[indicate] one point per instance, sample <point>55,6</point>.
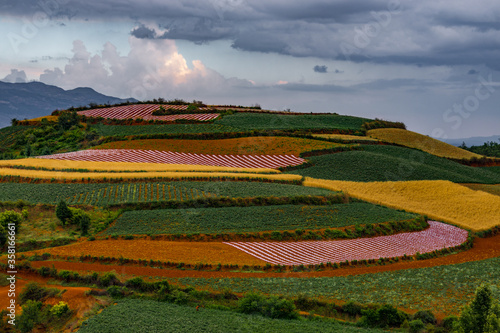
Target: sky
<point>432,64</point>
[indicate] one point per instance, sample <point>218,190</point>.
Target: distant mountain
<point>36,99</point>
<point>474,141</point>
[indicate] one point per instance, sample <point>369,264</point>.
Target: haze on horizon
<point>431,64</point>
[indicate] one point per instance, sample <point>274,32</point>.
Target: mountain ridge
<point>37,99</point>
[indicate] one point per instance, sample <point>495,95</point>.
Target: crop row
<point>167,157</point>
<point>82,193</point>
<point>144,111</point>
<point>252,219</point>
<point>438,236</point>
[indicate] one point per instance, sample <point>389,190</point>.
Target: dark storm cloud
<point>320,69</point>
<point>426,32</point>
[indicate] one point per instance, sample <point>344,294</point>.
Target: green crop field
<point>390,163</point>
<point>252,219</point>
<point>105,193</point>
<point>492,169</point>
<point>137,316</point>
<point>263,121</point>
<point>120,130</point>
<point>443,289</point>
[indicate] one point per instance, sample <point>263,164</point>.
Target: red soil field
<point>239,146</point>
<point>484,248</point>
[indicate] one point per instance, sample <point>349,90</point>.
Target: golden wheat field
<point>438,199</point>
<point>422,142</point>
<point>59,175</point>
<point>120,166</point>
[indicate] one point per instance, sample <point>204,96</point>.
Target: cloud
<point>472,72</point>
<point>320,69</point>
<point>426,32</point>
<point>152,68</point>
<point>15,76</point>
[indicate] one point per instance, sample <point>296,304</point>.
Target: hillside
<point>36,99</point>
<point>225,215</point>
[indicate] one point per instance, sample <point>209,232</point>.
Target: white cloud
<point>152,69</point>
<point>15,76</point>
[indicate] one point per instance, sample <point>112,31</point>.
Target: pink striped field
<point>144,111</point>
<point>168,157</point>
<point>436,237</point>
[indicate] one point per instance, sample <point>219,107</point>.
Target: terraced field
<point>263,121</point>
<point>118,130</point>
<point>436,237</point>
<point>390,163</point>
<point>240,146</point>
<point>106,193</point>
<point>425,143</point>
<point>252,219</point>
<point>168,157</point>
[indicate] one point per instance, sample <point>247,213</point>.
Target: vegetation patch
<point>390,163</point>
<point>252,219</point>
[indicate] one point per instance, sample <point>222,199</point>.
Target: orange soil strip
<point>242,146</point>
<point>484,248</point>
<point>74,296</point>
<point>186,252</point>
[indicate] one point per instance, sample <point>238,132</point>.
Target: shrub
<point>272,307</point>
<point>352,308</point>
<point>9,217</point>
<point>416,326</point>
<point>33,292</point>
<point>426,316</point>
<point>30,316</point>
<point>482,314</point>
<point>384,316</point>
<point>59,309</point>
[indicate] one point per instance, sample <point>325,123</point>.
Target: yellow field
<point>422,142</point>
<point>344,137</point>
<point>120,166</point>
<point>58,175</point>
<point>438,199</point>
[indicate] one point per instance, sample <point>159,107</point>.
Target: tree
<point>67,119</point>
<point>9,217</point>
<point>82,219</point>
<point>14,122</point>
<point>482,315</point>
<point>63,213</point>
<point>30,316</point>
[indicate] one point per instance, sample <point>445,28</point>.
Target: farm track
<point>167,157</point>
<point>484,248</point>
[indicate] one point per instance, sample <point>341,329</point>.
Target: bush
<point>9,217</point>
<point>30,316</point>
<point>59,309</point>
<point>33,292</point>
<point>426,316</point>
<point>352,308</point>
<point>272,307</point>
<point>416,326</point>
<point>384,316</point>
